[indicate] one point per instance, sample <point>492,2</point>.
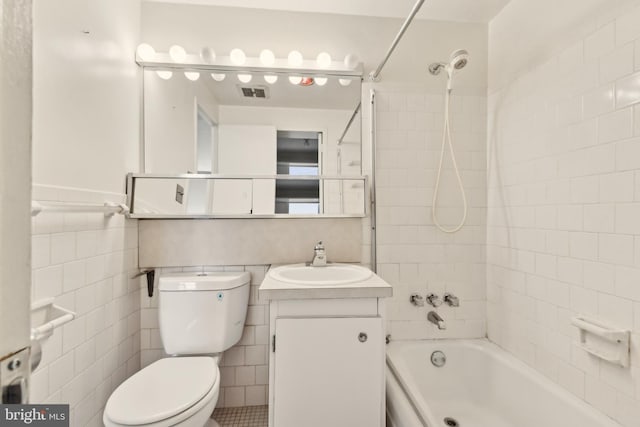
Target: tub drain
<point>451,422</point>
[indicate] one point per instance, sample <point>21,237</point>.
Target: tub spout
<point>435,318</point>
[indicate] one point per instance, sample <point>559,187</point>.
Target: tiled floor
<point>246,416</point>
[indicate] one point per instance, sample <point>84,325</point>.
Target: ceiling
<point>478,11</point>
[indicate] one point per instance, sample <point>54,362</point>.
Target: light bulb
<point>208,55</point>
<point>295,80</point>
<point>321,81</point>
<point>267,57</point>
<point>218,77</point>
<point>351,61</point>
<point>323,60</point>
<point>177,53</point>
<point>238,57</point>
<point>193,76</point>
<point>271,79</point>
<point>164,75</point>
<point>345,82</point>
<point>295,58</point>
<point>244,78</point>
<point>146,52</point>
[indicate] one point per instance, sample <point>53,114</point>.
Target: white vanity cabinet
<point>326,365</point>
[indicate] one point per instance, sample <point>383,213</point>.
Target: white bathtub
<point>480,385</point>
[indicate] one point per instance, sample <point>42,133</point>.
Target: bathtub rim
<point>492,350</point>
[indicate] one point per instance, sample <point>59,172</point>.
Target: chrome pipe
<point>353,117</point>
<point>374,74</point>
<point>373,195</point>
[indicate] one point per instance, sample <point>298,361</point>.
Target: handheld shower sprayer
<point>457,61</point>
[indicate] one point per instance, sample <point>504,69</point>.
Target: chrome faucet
<point>319,256</point>
<point>434,300</point>
<point>435,318</point>
<point>416,300</point>
<point>452,300</point>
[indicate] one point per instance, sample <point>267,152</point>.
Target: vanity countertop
<point>372,287</point>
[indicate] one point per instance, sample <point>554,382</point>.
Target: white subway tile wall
<point>563,218</point>
<point>85,262</point>
<point>244,368</point>
<point>412,254</point>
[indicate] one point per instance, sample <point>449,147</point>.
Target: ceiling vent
<point>260,92</point>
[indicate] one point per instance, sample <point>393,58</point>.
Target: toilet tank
<point>202,313</point>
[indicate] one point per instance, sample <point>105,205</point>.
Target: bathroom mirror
<point>232,123</point>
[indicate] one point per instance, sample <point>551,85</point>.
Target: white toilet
<point>200,316</point>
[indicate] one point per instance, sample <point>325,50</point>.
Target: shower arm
<point>374,74</point>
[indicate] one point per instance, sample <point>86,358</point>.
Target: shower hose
<point>446,139</point>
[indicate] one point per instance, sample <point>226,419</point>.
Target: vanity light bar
<point>322,66</point>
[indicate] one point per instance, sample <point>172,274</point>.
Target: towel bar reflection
<point>108,209</point>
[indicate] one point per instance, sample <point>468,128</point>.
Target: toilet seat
<point>164,393</point>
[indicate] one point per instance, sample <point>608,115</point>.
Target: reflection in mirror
<point>163,196</point>
<point>298,155</point>
<point>216,125</point>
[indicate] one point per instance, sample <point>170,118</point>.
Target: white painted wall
<point>85,139</point>
<point>563,199</point>
<point>87,113</point>
<point>15,173</point>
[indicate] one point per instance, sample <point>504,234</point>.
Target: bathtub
<point>480,385</point>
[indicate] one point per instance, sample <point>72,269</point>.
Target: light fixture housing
<point>323,60</point>
<point>238,57</point>
<point>295,80</point>
<point>218,76</point>
<point>267,58</point>
<point>146,52</point>
<point>295,59</point>
<point>208,55</point>
<point>270,78</point>
<point>351,61</point>
<point>321,81</point>
<point>192,75</point>
<point>177,53</point>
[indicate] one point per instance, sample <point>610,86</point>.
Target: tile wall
<point>412,254</point>
<point>85,261</point>
<point>564,212</point>
<point>244,368</point>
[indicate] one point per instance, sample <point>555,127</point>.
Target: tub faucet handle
<point>451,299</point>
<point>416,300</point>
<point>434,300</point>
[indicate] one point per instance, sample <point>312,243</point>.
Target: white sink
<point>332,274</point>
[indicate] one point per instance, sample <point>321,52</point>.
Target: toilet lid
<point>161,390</point>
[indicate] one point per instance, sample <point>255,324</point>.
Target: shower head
<point>459,59</point>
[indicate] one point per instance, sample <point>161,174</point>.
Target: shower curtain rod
<point>374,74</point>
